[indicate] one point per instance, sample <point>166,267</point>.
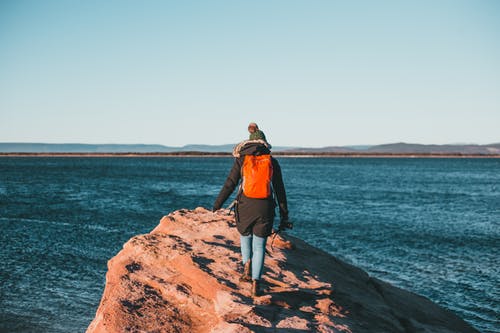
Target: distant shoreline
<point>280,154</point>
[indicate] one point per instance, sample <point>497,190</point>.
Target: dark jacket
<point>254,215</point>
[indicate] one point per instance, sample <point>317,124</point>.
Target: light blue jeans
<point>254,247</point>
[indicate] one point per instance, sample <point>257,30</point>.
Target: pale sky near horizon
<point>310,73</point>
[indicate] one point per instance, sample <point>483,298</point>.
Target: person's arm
<point>231,182</point>
<point>279,190</point>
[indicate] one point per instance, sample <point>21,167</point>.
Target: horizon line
<point>227,144</point>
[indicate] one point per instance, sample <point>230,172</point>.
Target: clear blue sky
<point>310,73</point>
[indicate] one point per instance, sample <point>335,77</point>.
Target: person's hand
<point>285,224</point>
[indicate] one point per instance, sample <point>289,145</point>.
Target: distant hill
<point>208,148</point>
<point>402,147</point>
<point>391,148</point>
<point>405,148</point>
<point>330,149</point>
<point>81,148</point>
<point>22,147</point>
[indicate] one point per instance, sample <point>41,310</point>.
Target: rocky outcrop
<point>184,277</point>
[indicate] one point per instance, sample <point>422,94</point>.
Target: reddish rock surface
<point>183,277</point>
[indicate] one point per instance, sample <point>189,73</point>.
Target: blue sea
<point>431,226</point>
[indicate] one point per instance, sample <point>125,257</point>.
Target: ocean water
<point>431,226</point>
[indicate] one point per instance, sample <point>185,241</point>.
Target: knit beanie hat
<point>257,135</point>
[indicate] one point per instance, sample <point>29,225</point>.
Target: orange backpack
<point>257,173</point>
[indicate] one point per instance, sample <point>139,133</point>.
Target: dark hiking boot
<point>255,288</point>
<point>245,277</point>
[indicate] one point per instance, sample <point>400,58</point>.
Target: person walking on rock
<point>260,176</point>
